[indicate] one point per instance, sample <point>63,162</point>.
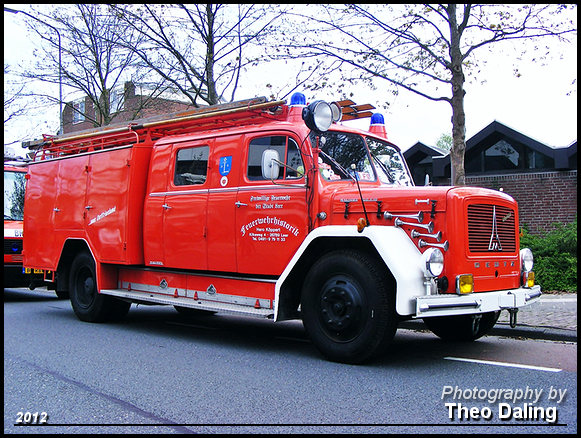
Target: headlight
<point>526,259</point>
<point>432,262</point>
<point>318,116</point>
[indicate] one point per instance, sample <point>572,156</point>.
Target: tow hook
<point>512,314</point>
<point>476,323</point>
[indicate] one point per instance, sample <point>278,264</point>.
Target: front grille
<point>483,236</point>
<point>12,246</point>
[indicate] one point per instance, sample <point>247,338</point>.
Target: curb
<point>532,332</point>
<point>503,329</point>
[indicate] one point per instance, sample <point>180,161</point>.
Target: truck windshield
<point>344,156</point>
<point>14,184</point>
<point>389,163</point>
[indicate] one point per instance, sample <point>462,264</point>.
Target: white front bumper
<point>475,303</point>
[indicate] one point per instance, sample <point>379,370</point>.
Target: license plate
<point>30,271</point>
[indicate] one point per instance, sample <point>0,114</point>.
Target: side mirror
<point>270,166</point>
<point>427,180</point>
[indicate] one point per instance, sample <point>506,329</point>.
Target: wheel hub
<point>340,309</point>
<point>88,285</point>
<point>86,288</point>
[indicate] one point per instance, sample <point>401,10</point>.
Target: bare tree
<point>200,53</point>
<point>20,102</point>
<point>12,99</point>
<point>200,49</point>
<point>426,49</point>
<point>81,53</point>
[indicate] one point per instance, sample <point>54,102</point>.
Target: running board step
<point>211,306</point>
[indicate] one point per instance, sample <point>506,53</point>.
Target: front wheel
<point>89,305</point>
<point>348,308</point>
<point>463,327</point>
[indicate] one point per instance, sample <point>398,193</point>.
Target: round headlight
<point>526,259</point>
<point>318,116</point>
<point>432,262</point>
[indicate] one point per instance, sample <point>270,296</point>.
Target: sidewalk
<point>553,318</point>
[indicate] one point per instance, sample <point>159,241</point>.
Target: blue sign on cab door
<point>225,165</point>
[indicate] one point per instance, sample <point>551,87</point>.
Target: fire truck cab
<point>277,211</point>
<point>14,184</point>
<point>14,187</point>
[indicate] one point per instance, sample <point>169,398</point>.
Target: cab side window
<point>288,151</point>
<point>191,166</point>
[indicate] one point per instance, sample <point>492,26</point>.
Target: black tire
<point>88,304</point>
<point>462,328</point>
<point>62,294</point>
<point>347,308</point>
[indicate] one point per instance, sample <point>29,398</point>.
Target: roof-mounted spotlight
<point>337,112</point>
<point>318,116</point>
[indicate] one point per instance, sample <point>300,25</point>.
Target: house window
<point>501,156</point>
<point>79,111</point>
<point>537,160</point>
<point>115,101</point>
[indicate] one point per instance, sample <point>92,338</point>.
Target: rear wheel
<point>462,327</point>
<point>88,304</point>
<point>348,310</point>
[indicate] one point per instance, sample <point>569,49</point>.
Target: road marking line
<point>505,364</point>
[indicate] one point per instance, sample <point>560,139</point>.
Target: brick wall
<point>134,106</point>
<point>543,198</point>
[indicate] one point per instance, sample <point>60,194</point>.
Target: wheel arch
<point>289,285</point>
<point>107,275</point>
<point>71,248</point>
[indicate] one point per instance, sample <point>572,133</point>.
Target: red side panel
<point>106,205</point>
<point>41,191</point>
<point>96,197</point>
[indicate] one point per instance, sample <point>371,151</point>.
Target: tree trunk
<point>457,102</point>
<point>212,95</point>
<point>458,133</point>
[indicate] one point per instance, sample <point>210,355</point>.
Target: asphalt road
<point>159,372</point>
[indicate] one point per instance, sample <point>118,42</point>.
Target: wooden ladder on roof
<point>351,111</point>
<point>152,128</point>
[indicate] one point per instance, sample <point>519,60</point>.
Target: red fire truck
<point>272,210</point>
<point>14,184</point>
<point>14,187</point>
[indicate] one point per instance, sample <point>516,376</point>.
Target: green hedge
<point>555,254</point>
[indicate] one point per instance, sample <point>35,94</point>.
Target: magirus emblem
<point>494,244</point>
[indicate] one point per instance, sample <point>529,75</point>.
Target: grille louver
<point>481,228</point>
<point>12,246</point>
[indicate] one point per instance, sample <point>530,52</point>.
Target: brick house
<point>542,179</point>
<point>125,105</point>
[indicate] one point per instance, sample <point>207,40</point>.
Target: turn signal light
<point>464,284</point>
<point>361,224</point>
<point>528,279</point>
